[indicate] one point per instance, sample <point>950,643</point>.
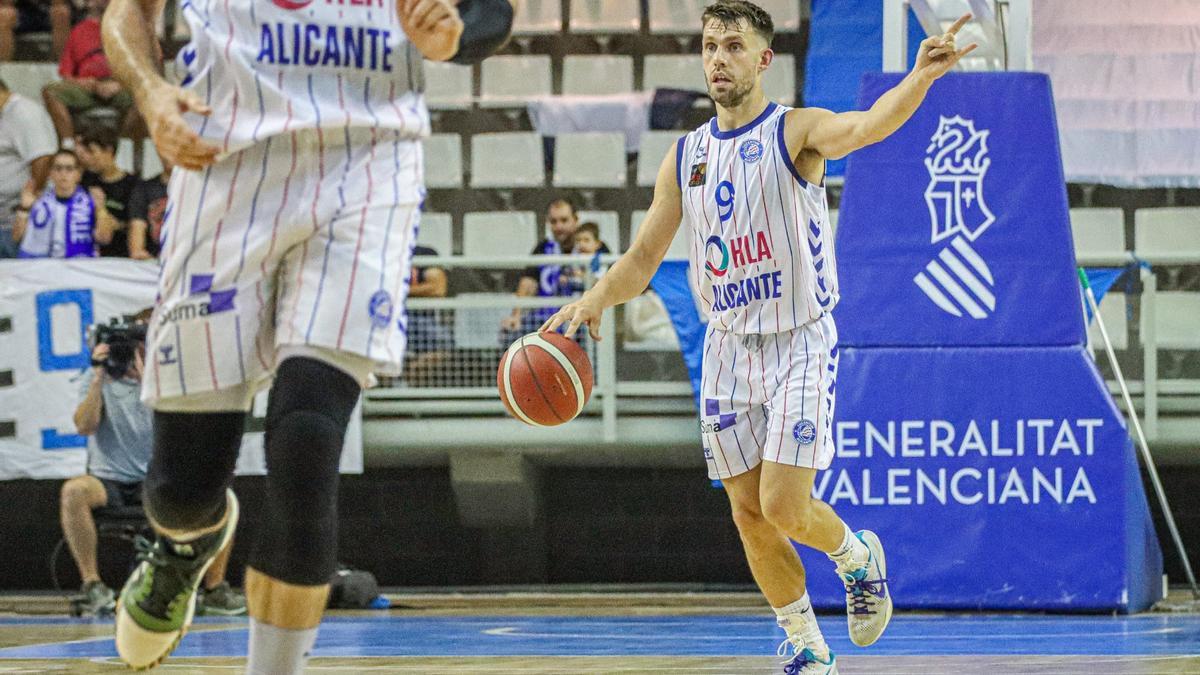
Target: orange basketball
<point>544,379</point>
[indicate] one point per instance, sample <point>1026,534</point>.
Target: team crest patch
<point>805,432</point>
<point>380,309</point>
<point>698,174</point>
<point>751,151</point>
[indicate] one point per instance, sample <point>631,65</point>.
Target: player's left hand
<point>938,54</point>
<point>434,26</point>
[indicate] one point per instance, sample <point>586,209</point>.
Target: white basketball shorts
<point>304,239</point>
<point>769,396</point>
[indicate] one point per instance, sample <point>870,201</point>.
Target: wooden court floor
<point>710,633</point>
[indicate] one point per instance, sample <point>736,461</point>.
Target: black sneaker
<point>159,599</point>
<point>221,600</point>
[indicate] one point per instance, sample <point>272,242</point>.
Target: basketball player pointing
<point>749,186</point>
<point>287,247</point>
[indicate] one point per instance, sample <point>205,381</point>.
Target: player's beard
<point>734,96</point>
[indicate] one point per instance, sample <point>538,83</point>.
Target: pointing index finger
<point>962,21</point>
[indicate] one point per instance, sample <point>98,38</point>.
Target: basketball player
<point>288,241</point>
<point>749,186</point>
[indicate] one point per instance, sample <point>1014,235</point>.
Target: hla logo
<point>744,249</point>
<point>958,279</point>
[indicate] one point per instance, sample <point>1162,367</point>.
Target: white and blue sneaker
<point>868,601</point>
<point>805,662</point>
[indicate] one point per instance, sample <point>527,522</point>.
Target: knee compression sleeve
<point>309,409</point>
<point>192,465</point>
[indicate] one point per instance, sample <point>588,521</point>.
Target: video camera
<point>123,335</point>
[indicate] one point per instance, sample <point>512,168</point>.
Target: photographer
<point>110,410</point>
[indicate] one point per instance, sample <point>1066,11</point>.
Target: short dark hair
<point>68,153</point>
<point>563,200</point>
<point>730,12</point>
<point>591,227</point>
<point>99,134</point>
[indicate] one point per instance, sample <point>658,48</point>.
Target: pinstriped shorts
<point>304,239</point>
<point>769,397</point>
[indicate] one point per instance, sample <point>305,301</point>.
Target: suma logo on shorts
<point>805,432</point>
<point>380,309</point>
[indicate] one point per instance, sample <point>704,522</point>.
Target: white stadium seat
<point>1177,320</point>
<point>510,81</point>
<point>651,152</point>
<point>443,161</point>
<point>448,86</point>
<point>610,227</point>
<point>508,233</point>
<point>779,82</point>
<point>437,232</point>
<point>507,160</point>
<point>673,71</point>
<point>538,17</point>
<point>1113,313</point>
<point>679,245</point>
<point>605,16</point>
<point>833,220</point>
<point>597,75</point>
<point>675,17</point>
<point>785,14</point>
<point>27,79</point>
<point>1168,230</point>
<point>589,160</point>
<point>1098,231</point>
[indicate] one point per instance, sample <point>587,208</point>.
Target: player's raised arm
<point>834,135</point>
<point>631,274</point>
<point>129,44</point>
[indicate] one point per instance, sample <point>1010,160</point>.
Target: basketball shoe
<point>868,601</point>
<point>159,599</point>
<point>805,662</point>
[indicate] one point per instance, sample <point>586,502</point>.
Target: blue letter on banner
<point>47,359</point>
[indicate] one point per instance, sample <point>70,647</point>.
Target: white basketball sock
<point>278,651</point>
<point>799,621</point>
<point>852,551</point>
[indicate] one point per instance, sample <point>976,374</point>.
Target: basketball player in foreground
<point>749,185</point>
<point>288,243</point>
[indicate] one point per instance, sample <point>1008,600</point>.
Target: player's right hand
<point>574,315</point>
<point>433,26</point>
<point>163,107</point>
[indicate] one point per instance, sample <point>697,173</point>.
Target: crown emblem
<point>957,162</point>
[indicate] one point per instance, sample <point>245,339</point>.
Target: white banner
<point>46,307</point>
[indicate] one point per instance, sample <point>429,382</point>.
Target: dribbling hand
<point>163,107</point>
<point>433,26</point>
<point>938,54</point>
<point>574,315</point>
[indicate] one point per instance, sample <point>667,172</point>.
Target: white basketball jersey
<point>761,250</point>
<point>268,67</point>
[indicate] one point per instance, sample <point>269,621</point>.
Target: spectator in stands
<point>33,16</point>
<point>110,410</point>
<point>109,186</point>
<point>429,341</point>
<point>62,221</point>
<point>562,222</point>
<point>87,82</point>
<point>587,242</point>
<point>147,207</point>
<point>26,145</point>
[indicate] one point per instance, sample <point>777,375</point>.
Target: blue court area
<point>726,636</point>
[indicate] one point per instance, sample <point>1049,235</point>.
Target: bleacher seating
<point>675,17</point>
<point>512,80</point>
<point>538,17</point>
<point>437,232</point>
<point>448,86</point>
<point>27,79</point>
<point>653,149</point>
<point>597,75</point>
<point>443,161</point>
<point>589,160</point>
<point>505,233</point>
<point>1114,313</point>
<point>507,160</point>
<point>605,16</point>
<point>1177,320</point>
<point>673,71</point>
<point>1098,231</point>
<point>779,82</point>
<point>1167,231</point>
